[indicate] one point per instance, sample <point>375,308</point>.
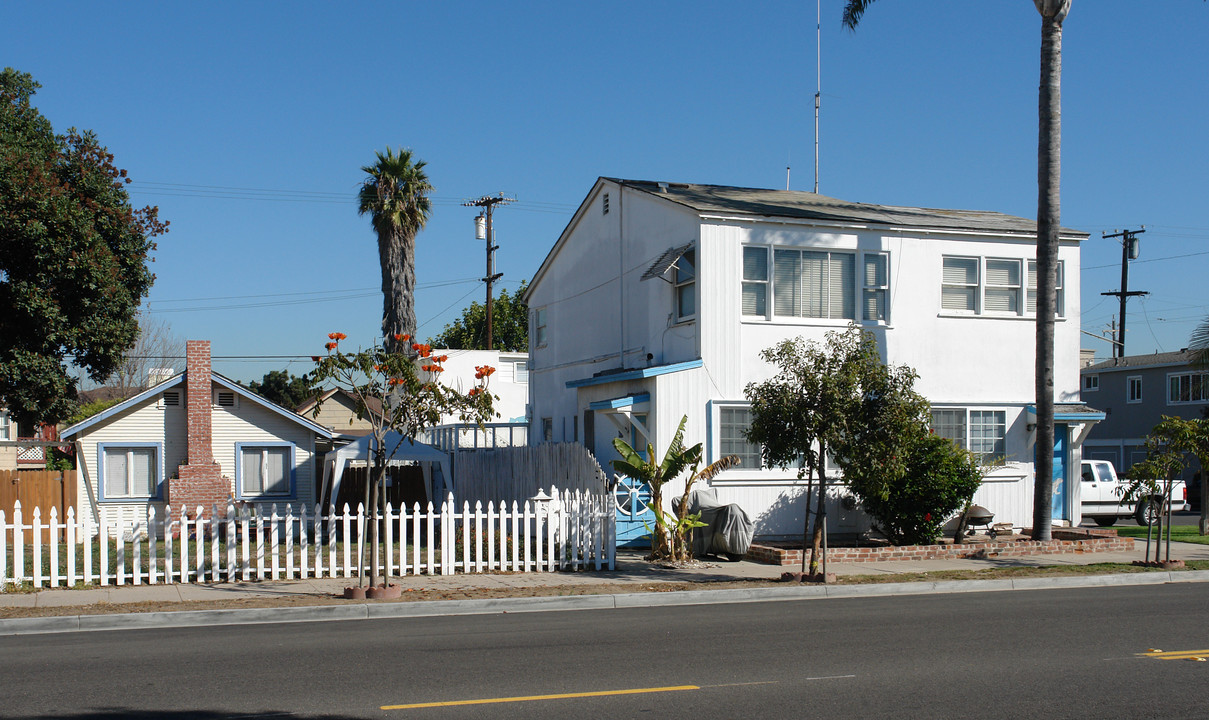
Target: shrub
<point>940,478</point>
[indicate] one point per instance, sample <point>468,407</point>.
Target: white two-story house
<point>658,297</point>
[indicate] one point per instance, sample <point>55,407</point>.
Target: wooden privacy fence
<point>515,474</point>
<point>572,531</point>
<point>38,488</point>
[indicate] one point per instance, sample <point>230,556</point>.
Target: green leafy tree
<point>283,388</point>
<point>1150,483</point>
<point>1049,153</point>
<point>404,385</point>
<point>73,258</point>
<point>395,196</point>
<point>801,412</point>
<point>509,325</point>
<point>1187,437</point>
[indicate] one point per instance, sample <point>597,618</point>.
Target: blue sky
<point>248,123</point>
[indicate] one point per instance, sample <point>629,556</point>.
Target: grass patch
<point>1179,533</point>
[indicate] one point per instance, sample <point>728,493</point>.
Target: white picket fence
<point>571,531</point>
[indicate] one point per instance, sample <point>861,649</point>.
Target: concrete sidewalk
<point>632,574</point>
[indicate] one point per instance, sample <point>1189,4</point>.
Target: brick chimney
<point>200,482</point>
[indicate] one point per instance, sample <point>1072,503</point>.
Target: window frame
<point>291,461</point>
<point>855,289</point>
<point>1024,290</point>
<point>540,331</point>
<point>157,466</point>
<point>1091,382</point>
<point>967,441</point>
<point>1189,375</point>
<point>1133,382</point>
<point>7,426</point>
<point>685,282</point>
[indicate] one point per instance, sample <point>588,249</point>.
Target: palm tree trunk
<point>1049,144</point>
<point>397,257</point>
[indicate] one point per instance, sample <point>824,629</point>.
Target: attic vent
<point>225,398</point>
<point>172,398</point>
<point>604,206</point>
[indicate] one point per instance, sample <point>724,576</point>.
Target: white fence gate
<point>571,531</point>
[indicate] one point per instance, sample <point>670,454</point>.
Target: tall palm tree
<point>1049,151</point>
<point>1199,344</point>
<point>395,196</point>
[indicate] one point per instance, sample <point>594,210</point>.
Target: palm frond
<point>853,10</point>
<point>708,472</point>
<point>1198,343</point>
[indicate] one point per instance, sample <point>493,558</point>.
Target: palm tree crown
<point>395,196</point>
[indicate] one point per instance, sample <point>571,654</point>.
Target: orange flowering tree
<point>399,392</point>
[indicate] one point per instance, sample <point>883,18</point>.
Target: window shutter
<point>787,273</point>
<point>115,473</point>
<point>252,483</point>
<point>142,471</point>
<point>814,284</point>
<point>842,284</point>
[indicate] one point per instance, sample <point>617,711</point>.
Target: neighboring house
<point>23,451</point>
<point>193,440</point>
<point>657,298</point>
<point>8,433</point>
<point>510,385</point>
<point>1135,392</point>
<point>338,413</point>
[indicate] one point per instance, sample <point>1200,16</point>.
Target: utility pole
<point>484,231</point>
<point>1129,251</point>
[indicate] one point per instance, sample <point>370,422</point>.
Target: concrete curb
<point>365,611</point>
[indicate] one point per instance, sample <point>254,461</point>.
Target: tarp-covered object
<point>436,464</point>
<point>727,529</point>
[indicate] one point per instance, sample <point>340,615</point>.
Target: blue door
<point>633,515</point>
<point>1061,486</point>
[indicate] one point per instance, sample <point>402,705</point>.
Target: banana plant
<point>656,474</point>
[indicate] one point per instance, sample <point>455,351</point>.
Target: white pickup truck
<point>1102,492</point>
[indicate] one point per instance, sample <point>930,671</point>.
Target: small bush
<point>940,478</point>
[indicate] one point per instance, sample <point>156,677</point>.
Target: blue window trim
<point>264,497</point>
<point>159,471</point>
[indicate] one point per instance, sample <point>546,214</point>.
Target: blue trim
<point>265,497</point>
<point>627,401</point>
<point>635,374</point>
<point>122,406</point>
<point>159,471</point>
<point>1077,417</point>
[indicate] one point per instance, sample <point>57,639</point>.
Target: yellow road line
<point>1175,654</point>
<point>527,698</point>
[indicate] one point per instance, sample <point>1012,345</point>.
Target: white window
<point>686,286</point>
<point>755,281</point>
<point>814,284</point>
<point>1091,383</point>
<point>1060,305</point>
<point>1189,387</point>
<point>959,285</point>
<point>265,470</point>
<point>876,286</point>
<point>982,432</point>
<point>1002,293</point>
<point>993,286</point>
<point>521,371</point>
<point>733,422</point>
<point>1133,385</point>
<point>7,427</point>
<point>547,429</point>
<point>539,328</point>
<point>130,471</point>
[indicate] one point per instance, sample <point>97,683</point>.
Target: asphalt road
<point>1052,653</point>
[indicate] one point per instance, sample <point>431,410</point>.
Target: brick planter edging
<point>773,555</point>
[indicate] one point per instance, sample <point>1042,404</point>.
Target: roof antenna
<point>818,85</point>
<point>786,176</point>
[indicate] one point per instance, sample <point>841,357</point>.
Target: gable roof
<point>179,379</point>
<point>372,405</point>
<point>759,203</point>
<point>708,199</point>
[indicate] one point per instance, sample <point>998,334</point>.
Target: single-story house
<point>196,439</point>
<point>657,298</point>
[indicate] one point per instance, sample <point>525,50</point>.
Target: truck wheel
<point>1105,521</point>
<point>1148,511</point>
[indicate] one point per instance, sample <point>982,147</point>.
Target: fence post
<point>215,550</point>
<point>389,549</point>
<point>36,539</point>
<point>490,535</point>
<point>275,541</point>
<point>260,573</point>
<point>402,538</point>
<point>184,562</point>
<point>415,538</point>
<point>245,540</point>
<point>3,551</point>
<point>429,522</point>
<point>303,529</point>
<point>347,541</point>
<point>71,547</point>
<point>466,568</point>
<point>54,547</point>
<point>478,536</point>
<point>447,535</point>
<point>289,541</point>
